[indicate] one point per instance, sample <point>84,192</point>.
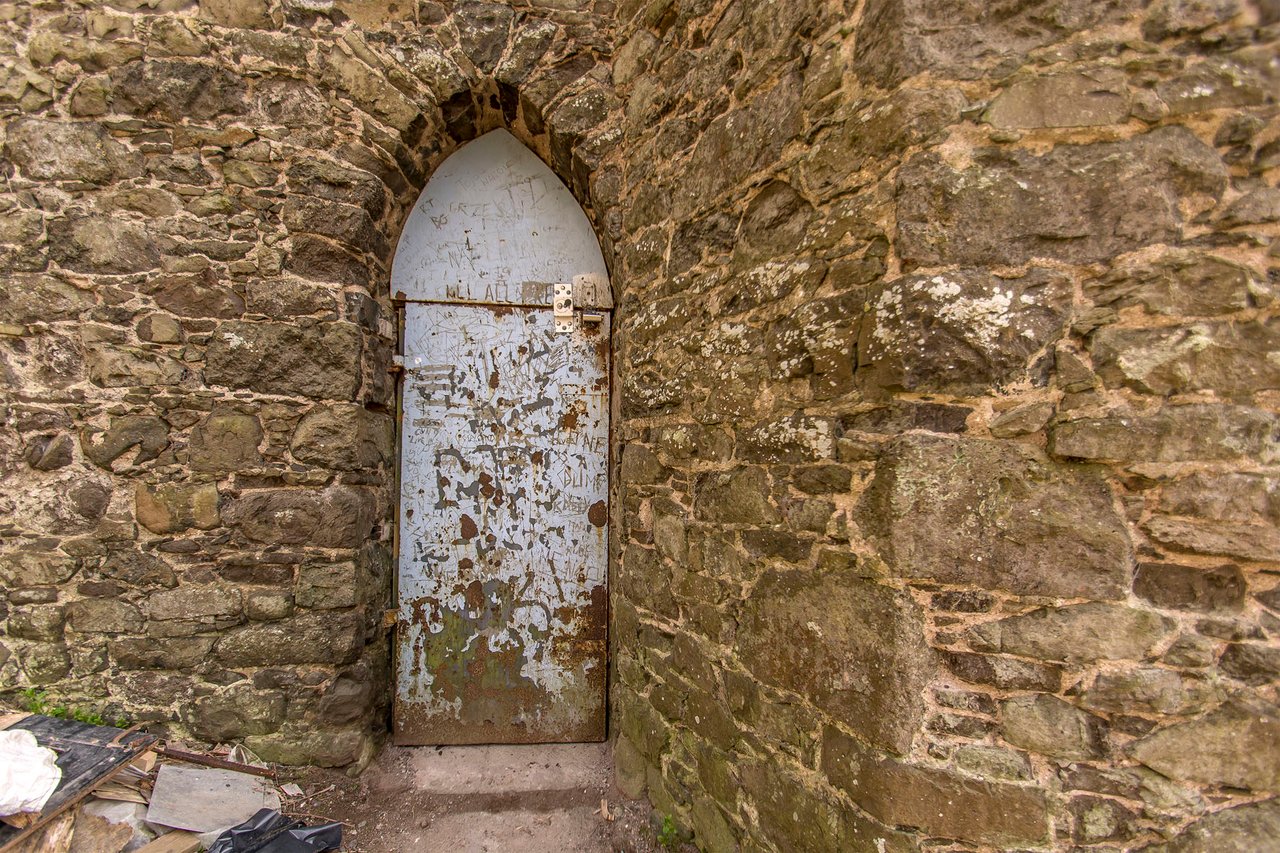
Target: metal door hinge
<point>390,618</point>
<point>562,308</point>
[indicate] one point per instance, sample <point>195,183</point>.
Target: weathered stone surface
<point>736,497</point>
<point>174,91</point>
<point>903,794</point>
<point>324,637</point>
<point>337,517</point>
<point>125,367</point>
<point>320,361</point>
<point>1080,632</point>
<point>33,568</point>
<point>995,515</point>
<point>137,568</point>
<point>1178,283</point>
<point>1242,498</point>
<point>1221,357</point>
<point>169,653</point>
<point>792,439</point>
<point>794,819</point>
<point>1241,829</point>
<point>236,13</point>
<point>1237,744</point>
<point>61,151</point>
<point>1005,673</point>
<point>323,586</point>
<point>344,436</point>
<point>1189,587</point>
<point>1214,84</point>
<point>1254,208</point>
<point>42,298</point>
<point>737,144</point>
<point>37,622</point>
<point>1077,203</point>
<point>1062,100</point>
<point>148,435</point>
<point>225,441</point>
<point>1049,726</point>
<point>49,452</point>
<point>960,332</point>
<point>194,604</point>
<point>329,748</point>
<point>854,648</point>
<point>98,244</point>
<point>238,712</point>
<point>197,296</point>
<point>103,616</point>
<point>1020,420</point>
<point>1174,434</point>
<point>174,507</point>
<point>1245,541</point>
<point>1252,663</point>
<point>901,38</point>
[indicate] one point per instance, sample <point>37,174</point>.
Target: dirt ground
<point>535,799</point>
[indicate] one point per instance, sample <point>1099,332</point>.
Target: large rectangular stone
<point>939,802</point>
<point>997,515</point>
<point>320,360</point>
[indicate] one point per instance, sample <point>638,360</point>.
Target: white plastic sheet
<point>29,772</point>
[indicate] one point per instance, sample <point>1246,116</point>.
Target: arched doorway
<point>503,520</point>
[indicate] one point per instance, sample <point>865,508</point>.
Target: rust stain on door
<point>504,528</point>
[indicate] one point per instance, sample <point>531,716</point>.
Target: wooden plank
<point>88,755</point>
<point>177,841</point>
<point>7,720</point>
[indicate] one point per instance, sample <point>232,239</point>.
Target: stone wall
<point>947,504</point>
<point>949,387</point>
<point>197,449</point>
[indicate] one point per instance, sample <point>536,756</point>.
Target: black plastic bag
<point>268,831</point>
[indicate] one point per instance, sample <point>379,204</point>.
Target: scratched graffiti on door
<point>503,606</point>
<point>501,628</point>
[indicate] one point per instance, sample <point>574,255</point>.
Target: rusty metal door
<point>504,456</point>
<point>504,535</point>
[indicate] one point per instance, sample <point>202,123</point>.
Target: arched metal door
<point>504,458</point>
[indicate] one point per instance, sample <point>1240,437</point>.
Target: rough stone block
<point>148,435</point>
<point>1190,588</point>
<point>1186,433</point>
<point>103,616</point>
<point>225,441</point>
<point>1240,829</point>
<point>996,515</point>
<point>965,40</point>
<point>1050,726</point>
<point>740,496</point>
<point>346,437</point>
<point>337,517</point>
<point>899,793</point>
<point>959,332</point>
<point>854,648</point>
<point>1221,357</point>
<point>1151,690</point>
<point>232,715</point>
<point>1078,633</point>
<point>174,507</point>
<point>1077,99</point>
<point>323,637</point>
<point>63,151</point>
<point>194,604</point>
<point>321,361</point>
<point>1237,745</point>
<point>174,91</point>
<point>1178,283</point>
<point>1077,203</point>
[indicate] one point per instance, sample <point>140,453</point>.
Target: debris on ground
<point>113,790</point>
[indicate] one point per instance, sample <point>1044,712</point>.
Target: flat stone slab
<point>470,770</point>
